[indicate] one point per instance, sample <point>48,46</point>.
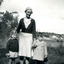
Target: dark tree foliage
<point>7,16</point>
<point>7,25</point>
<point>14,23</point>
<point>4,30</point>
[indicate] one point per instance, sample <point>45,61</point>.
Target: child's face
<point>39,38</point>
<point>13,34</point>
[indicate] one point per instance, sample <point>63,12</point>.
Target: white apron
<point>25,43</point>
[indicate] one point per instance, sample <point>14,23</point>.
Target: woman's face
<point>28,13</point>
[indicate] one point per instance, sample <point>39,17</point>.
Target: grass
<point>55,56</point>
<point>55,53</point>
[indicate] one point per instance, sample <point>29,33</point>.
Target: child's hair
<point>13,32</point>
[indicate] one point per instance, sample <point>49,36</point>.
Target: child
<point>40,51</point>
<point>12,48</point>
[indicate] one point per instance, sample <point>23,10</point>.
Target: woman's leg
<point>13,60</point>
<point>21,59</point>
<point>39,62</point>
<point>32,61</point>
<point>27,60</point>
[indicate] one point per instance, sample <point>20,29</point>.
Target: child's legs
<point>10,61</point>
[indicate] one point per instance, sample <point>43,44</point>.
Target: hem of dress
<point>25,56</point>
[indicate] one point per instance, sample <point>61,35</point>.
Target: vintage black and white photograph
<point>31,31</point>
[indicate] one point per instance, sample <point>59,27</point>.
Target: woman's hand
<point>34,44</point>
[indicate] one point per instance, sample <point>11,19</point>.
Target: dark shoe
<point>46,59</point>
<point>18,63</point>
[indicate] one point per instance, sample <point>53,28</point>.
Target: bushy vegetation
<point>6,26</point>
<point>8,23</point>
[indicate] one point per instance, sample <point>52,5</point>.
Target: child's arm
<point>8,55</point>
<point>46,50</point>
<point>46,54</point>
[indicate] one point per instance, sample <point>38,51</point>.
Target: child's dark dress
<point>12,47</point>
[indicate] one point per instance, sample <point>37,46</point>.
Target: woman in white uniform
<point>27,33</point>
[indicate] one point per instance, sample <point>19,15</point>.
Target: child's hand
<point>7,54</point>
<point>33,46</point>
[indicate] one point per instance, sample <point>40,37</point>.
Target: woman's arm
<point>34,29</point>
<point>19,26</point>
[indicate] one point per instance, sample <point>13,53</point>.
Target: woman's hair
<point>28,8</point>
